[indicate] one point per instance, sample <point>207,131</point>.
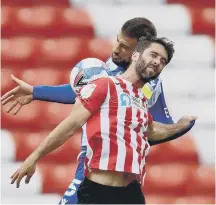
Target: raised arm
<point>89,101</point>
<point>160,113</point>
<point>159,131</point>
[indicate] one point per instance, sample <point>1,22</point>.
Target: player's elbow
<point>155,132</point>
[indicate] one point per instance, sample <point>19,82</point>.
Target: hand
<point>186,120</point>
<point>19,96</point>
<point>27,168</point>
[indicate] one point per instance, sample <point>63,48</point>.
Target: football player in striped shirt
<point>114,115</point>
<point>127,39</point>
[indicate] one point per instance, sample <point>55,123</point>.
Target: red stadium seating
<point>200,199</point>
<point>201,181</point>
<point>56,113</point>
<point>35,2</point>
<point>61,52</point>
<point>56,178</point>
<point>99,48</point>
<point>6,82</point>
<point>166,178</point>
<point>46,21</point>
<point>203,20</point>
<point>27,142</point>
<point>155,198</point>
<point>46,76</point>
<point>28,118</point>
<point>12,52</point>
<point>35,76</point>
<point>180,150</point>
<point>201,3</point>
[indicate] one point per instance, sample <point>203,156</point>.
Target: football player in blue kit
<point>90,69</point>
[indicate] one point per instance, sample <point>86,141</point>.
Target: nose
<point>156,61</point>
<point>116,49</point>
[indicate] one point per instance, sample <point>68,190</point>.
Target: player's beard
<point>121,62</point>
<point>141,67</point>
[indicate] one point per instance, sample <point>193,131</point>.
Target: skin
<point>79,115</point>
<point>123,50</point>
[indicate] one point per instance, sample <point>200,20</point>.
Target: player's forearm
<point>159,131</point>
<point>60,94</point>
<point>56,138</point>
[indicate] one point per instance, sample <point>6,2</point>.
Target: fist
<point>186,120</point>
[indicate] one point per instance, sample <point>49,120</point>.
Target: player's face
<point>152,61</point>
<point>123,50</point>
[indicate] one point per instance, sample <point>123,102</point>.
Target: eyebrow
<point>123,43</point>
<point>154,52</point>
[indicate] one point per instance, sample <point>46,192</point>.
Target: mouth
<point>152,68</point>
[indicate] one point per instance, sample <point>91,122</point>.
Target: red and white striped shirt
<point>116,130</point>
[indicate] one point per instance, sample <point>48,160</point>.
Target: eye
<point>163,62</point>
<point>153,55</point>
<point>125,47</point>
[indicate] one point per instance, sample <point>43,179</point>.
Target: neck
<point>132,76</point>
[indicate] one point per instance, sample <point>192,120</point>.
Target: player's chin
<point>116,60</point>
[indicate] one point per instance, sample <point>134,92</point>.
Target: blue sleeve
<point>159,110</point>
<point>160,113</point>
<point>60,94</point>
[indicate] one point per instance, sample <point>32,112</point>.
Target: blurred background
<point>43,39</point>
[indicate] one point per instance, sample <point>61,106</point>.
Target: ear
<point>135,56</point>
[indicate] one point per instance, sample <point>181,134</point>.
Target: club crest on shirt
<point>87,91</point>
<point>125,100</point>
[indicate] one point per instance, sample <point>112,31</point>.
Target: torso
<point>111,178</point>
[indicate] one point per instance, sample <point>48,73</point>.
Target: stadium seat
<point>42,76</point>
<point>56,178</point>
<point>203,20</point>
<point>155,198</point>
<point>7,17</point>
<point>27,118</point>
<point>99,48</point>
<point>200,3</point>
<point>12,52</point>
<point>36,18</point>
<point>166,178</point>
<point>26,142</point>
<point>200,199</point>
<point>46,21</point>
<point>77,22</point>
<point>6,82</point>
<point>180,150</point>
<point>201,181</point>
<point>65,50</point>
<point>56,113</point>
<point>35,2</point>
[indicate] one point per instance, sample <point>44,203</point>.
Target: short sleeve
<point>150,119</point>
<point>93,95</point>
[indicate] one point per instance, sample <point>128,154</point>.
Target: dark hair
<point>138,27</point>
<point>145,42</point>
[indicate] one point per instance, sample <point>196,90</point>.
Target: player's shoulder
<point>152,88</point>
